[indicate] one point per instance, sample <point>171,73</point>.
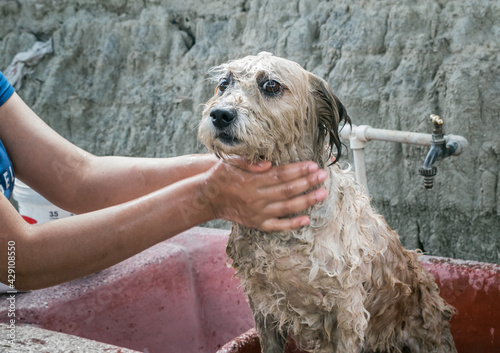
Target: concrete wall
<point>129,77</point>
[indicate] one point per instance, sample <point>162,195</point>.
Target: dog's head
<point>269,108</point>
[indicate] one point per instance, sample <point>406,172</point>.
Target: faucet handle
<point>436,120</point>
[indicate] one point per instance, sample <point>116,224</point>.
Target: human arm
<point>65,249</point>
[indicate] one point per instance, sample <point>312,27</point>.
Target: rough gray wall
<point>128,77</point>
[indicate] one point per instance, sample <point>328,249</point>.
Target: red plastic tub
<point>180,297</point>
<point>176,297</point>
<point>473,288</point>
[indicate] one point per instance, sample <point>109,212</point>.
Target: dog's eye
<point>223,85</point>
<point>271,87</point>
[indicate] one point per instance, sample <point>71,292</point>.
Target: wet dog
<point>344,283</point>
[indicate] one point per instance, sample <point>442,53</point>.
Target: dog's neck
<point>300,148</point>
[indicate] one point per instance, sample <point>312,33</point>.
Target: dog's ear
<point>329,114</point>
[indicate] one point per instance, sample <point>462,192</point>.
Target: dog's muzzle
<point>222,119</point>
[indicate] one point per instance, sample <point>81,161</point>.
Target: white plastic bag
<point>18,68</point>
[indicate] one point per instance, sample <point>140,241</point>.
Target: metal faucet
<point>441,147</point>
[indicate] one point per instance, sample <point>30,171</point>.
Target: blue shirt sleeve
<point>7,178</point>
<point>6,89</point>
<point>6,169</point>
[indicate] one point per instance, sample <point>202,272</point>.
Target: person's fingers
<point>283,224</point>
<point>275,174</point>
<point>265,199</point>
<point>295,205</point>
<point>247,165</point>
<point>295,187</point>
<point>289,172</point>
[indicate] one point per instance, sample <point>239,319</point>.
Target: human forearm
<point>66,249</point>
<point>108,181</point>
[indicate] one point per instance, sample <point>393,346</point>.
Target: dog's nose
<point>222,118</point>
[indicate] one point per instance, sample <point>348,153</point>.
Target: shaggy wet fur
<point>344,283</point>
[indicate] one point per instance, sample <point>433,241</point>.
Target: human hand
<point>261,196</point>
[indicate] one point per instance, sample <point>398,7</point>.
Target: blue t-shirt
<point>6,169</point>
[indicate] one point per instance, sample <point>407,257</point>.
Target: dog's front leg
<point>352,322</point>
<point>272,340</point>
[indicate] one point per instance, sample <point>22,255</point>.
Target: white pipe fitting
<point>358,136</point>
<point>365,133</point>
